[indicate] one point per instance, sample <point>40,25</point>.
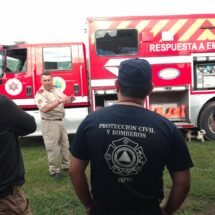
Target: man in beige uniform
<point>50,101</point>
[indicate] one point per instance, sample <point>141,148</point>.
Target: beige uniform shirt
<point>44,97</point>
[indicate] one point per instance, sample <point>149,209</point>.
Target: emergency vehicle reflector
<point>169,73</point>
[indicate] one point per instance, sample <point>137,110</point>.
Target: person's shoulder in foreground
<point>14,122</point>
<point>15,118</point>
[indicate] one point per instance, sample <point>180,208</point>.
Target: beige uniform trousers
<point>57,145</point>
<point>15,204</point>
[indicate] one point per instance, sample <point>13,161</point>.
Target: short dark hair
<point>134,92</point>
<point>46,74</point>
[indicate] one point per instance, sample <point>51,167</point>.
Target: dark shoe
<point>56,176</point>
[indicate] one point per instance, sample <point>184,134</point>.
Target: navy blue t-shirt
<point>128,148</point>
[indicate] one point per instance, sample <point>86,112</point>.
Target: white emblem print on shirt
<point>125,157</point>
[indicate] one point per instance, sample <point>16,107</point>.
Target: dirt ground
<point>209,211</point>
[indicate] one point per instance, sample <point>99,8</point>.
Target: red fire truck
<point>181,49</point>
<point>20,69</point>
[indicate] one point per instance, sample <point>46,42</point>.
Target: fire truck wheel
<point>205,121</point>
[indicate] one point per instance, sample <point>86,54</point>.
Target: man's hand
<point>66,99</point>
<point>72,98</point>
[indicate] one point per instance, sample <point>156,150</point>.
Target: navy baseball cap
<point>135,73</point>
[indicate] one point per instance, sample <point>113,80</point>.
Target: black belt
<point>52,119</point>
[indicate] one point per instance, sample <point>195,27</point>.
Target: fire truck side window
<point>116,42</point>
<point>204,74</point>
<point>57,58</point>
<point>16,60</point>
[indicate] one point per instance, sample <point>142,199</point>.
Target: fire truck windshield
<point>16,60</point>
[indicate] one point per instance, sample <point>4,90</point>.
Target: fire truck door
<point>17,80</point>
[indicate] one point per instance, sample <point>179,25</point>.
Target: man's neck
<point>131,101</point>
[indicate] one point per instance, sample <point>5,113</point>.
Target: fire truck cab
<point>181,50</point>
<point>22,64</point>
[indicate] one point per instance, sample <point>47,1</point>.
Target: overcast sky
<point>64,20</point>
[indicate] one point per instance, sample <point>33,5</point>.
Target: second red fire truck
<point>180,48</point>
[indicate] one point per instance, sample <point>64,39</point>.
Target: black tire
<point>205,121</point>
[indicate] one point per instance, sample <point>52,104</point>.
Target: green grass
<point>50,197</point>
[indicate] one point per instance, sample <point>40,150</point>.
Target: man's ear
<point>151,88</point>
<point>117,85</point>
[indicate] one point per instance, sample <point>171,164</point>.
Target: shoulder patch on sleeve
<point>40,91</point>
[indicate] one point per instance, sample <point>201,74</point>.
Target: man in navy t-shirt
<point>128,148</point>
